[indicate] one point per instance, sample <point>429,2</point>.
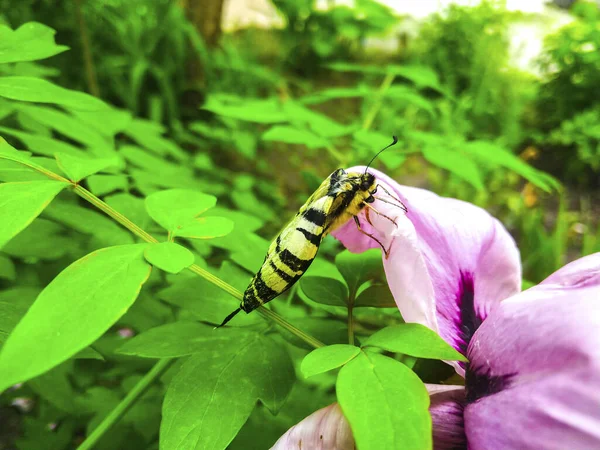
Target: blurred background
<point>476,91</point>
<point>256,102</point>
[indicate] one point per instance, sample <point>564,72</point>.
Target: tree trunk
<point>205,15</point>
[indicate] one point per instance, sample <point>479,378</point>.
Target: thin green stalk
<point>31,165</point>
<point>86,48</point>
<point>350,306</point>
<point>132,396</point>
<point>267,313</point>
<point>108,210</point>
<point>372,113</point>
<point>216,281</point>
<point>350,326</point>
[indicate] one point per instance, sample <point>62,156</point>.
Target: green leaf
<point>317,122</point>
<point>243,222</point>
<point>326,291</point>
<point>408,95</point>
<point>89,353</point>
<point>13,305</point>
<point>78,168</point>
<point>328,358</point>
<point>32,69</point>
<point>415,340</point>
<point>177,339</point>
<point>131,206</point>
<point>206,301</point>
<point>214,392</point>
<point>107,121</point>
<point>205,228</point>
<point>250,254</point>
<point>292,135</point>
<point>29,42</point>
<point>247,109</point>
<point>66,124</point>
<point>7,268</point>
<point>141,158</point>
<point>492,155</point>
<point>321,328</point>
<point>455,163</point>
<point>169,256</point>
<point>43,239</point>
<point>375,295</point>
<point>20,203</point>
<point>89,221</point>
<point>324,95</point>
<point>356,268</point>
<point>54,386</point>
<point>104,184</point>
<point>43,145</point>
<point>14,172</point>
<point>385,403</point>
<point>371,139</point>
<point>421,76</point>
<point>176,207</point>
<point>74,310</point>
<point>148,135</point>
<point>8,152</point>
<point>29,89</point>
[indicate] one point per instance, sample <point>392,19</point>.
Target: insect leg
<point>381,214</point>
<point>386,252</point>
<point>367,216</point>
<point>401,205</point>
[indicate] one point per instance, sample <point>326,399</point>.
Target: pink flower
<point>533,380</point>
<point>326,429</point>
<point>450,261</point>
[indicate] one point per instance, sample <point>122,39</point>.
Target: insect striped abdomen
<point>295,249</point>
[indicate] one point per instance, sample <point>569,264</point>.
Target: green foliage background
<point>131,220</point>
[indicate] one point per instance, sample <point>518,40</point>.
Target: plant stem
<point>350,326</point>
<point>216,281</point>
<point>372,113</point>
<point>132,396</point>
<point>31,165</point>
<point>108,210</point>
<point>267,313</point>
<point>350,319</point>
<point>90,70</point>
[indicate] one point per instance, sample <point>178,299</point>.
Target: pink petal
<point>326,429</point>
<point>446,256</point>
<point>582,272</point>
<point>534,376</point>
<point>446,410</point>
<point>406,269</point>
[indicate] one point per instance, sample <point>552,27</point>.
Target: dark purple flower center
<point>479,383</point>
<point>469,321</point>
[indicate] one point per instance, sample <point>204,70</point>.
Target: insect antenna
<point>229,317</point>
<point>394,142</point>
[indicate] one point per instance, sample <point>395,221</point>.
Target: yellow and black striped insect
<point>342,196</point>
